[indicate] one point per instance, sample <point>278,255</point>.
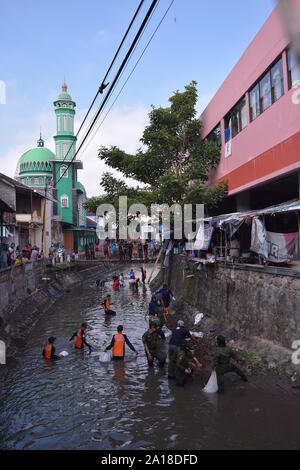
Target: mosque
<point>55,175</point>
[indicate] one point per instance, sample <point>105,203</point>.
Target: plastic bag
<point>104,357</point>
<point>64,354</point>
<point>212,384</point>
<point>197,334</point>
<point>198,318</point>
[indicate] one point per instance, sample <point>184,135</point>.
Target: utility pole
<point>44,217</point>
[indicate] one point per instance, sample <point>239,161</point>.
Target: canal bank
<point>256,308</point>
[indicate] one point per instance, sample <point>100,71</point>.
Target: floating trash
<point>64,354</point>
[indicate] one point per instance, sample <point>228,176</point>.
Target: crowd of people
<point>129,250</point>
<point>182,360</point>
<point>12,255</point>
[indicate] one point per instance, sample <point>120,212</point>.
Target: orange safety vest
<point>78,342</point>
<point>166,310</point>
<point>118,349</point>
<point>107,304</point>
<point>48,351</point>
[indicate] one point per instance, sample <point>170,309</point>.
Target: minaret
<point>65,141</point>
<point>64,173</point>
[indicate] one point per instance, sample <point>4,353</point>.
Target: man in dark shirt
<point>118,344</point>
<point>179,335</point>
<point>166,295</point>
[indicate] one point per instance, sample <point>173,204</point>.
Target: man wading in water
<point>106,305</point>
<point>151,344</point>
<point>118,344</point>
<point>222,362</point>
<point>80,338</point>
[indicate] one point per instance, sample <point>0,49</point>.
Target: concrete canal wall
<point>263,302</point>
<point>27,292</point>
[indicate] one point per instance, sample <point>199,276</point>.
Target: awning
<point>232,222</point>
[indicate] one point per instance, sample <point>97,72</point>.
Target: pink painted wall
<point>276,124</point>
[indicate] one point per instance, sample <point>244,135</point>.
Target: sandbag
<point>104,357</point>
<point>212,384</point>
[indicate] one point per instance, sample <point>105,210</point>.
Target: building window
<point>236,120</point>
<point>293,69</point>
<point>65,149</point>
<point>64,201</point>
<point>277,81</point>
<point>64,171</point>
<point>58,123</point>
<point>215,136</point>
<point>267,91</point>
<point>71,121</point>
<point>64,119</point>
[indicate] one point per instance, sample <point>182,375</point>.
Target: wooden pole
<point>155,264</point>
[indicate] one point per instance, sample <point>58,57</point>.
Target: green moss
<point>253,362</point>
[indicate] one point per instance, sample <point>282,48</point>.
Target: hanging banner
<point>202,241</point>
<point>275,247</point>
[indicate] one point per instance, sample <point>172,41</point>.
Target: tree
<point>173,164</point>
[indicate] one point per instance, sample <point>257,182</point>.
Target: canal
<point>81,403</point>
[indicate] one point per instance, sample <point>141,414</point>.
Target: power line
<point>129,76</point>
<point>103,84</point>
<point>148,14</point>
<point>126,64</point>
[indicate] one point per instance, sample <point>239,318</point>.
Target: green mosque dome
<point>37,160</point>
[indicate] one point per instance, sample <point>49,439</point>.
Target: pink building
<point>255,118</point>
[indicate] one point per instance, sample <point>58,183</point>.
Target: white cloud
<point>123,127</point>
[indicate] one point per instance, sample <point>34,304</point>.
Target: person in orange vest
<point>118,344</point>
<point>144,274</point>
<point>106,305</point>
<point>80,338</point>
<point>49,350</point>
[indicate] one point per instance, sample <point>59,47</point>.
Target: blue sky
<point>41,42</point>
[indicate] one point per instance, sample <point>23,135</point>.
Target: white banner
<point>275,247</point>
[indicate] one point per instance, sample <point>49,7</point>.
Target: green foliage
<point>173,164</point>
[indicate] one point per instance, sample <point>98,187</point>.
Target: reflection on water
<point>80,403</point>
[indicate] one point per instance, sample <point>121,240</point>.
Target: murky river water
<point>80,403</point>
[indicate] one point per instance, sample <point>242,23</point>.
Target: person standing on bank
<point>80,338</point>
<point>118,345</point>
